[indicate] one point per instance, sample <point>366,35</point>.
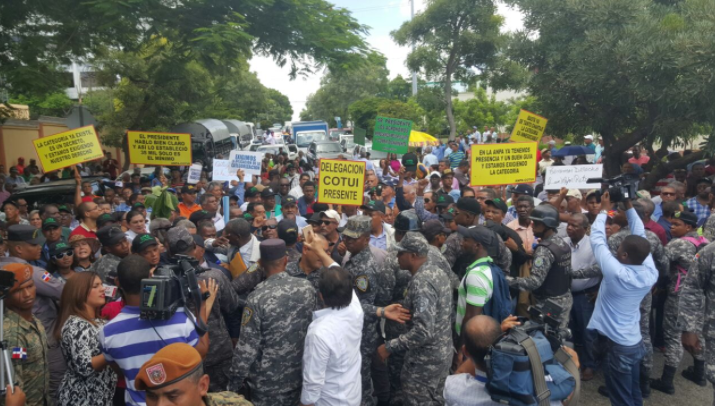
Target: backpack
<point>517,366</point>
<point>498,306</point>
<point>699,243</point>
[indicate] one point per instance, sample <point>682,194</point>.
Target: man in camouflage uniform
<point>288,232</point>
<point>428,342</point>
<point>24,333</point>
<point>273,328</point>
<point>309,265</point>
<point>680,252</point>
<point>117,246</point>
<point>550,277</point>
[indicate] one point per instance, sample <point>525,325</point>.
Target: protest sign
<point>341,182</point>
<point>503,164</point>
<point>68,148</point>
<point>249,161</point>
<point>152,148</point>
<point>572,176</point>
<point>529,127</point>
<point>391,135</point>
<point>194,174</point>
<point>222,170</point>
<point>359,136</point>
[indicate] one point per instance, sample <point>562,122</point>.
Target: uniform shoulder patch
<point>362,283</point>
<point>247,314</point>
<point>252,268</point>
<point>46,277</point>
<point>539,261</point>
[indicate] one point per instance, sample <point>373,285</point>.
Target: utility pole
<point>414,74</point>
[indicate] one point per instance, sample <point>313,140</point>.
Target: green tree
<point>480,111</point>
<point>455,40</point>
<point>634,72</point>
<point>399,89</point>
<point>55,104</point>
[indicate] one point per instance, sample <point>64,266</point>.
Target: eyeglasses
<point>62,255</point>
<point>667,194</point>
<point>326,222</point>
<point>265,228</point>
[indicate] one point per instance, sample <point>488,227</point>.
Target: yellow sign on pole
<point>68,148</point>
<point>503,164</point>
<point>152,148</point>
<point>529,127</point>
<point>341,182</point>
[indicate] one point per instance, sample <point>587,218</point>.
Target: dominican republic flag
<point>46,277</point>
<point>19,353</point>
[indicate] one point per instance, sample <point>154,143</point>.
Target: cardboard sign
<point>68,148</point>
<point>341,182</point>
<point>391,135</point>
<point>529,127</point>
<point>572,177</point>
<point>194,174</point>
<point>503,164</point>
<point>249,161</point>
<point>152,148</point>
<point>222,170</point>
<point>359,136</point>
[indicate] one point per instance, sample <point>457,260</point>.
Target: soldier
<point>427,343</point>
<point>175,375</point>
<point>551,273</point>
<point>26,338</point>
<point>117,246</point>
<point>275,321</point>
<point>288,232</point>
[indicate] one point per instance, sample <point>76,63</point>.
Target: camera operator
<point>627,279</point>
<point>128,340</point>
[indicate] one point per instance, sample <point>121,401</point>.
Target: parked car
<point>58,192</point>
<point>324,149</point>
<point>292,149</point>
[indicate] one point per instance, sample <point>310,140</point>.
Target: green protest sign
<point>359,136</point>
<point>391,135</point>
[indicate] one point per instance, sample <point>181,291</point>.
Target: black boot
<point>645,383</point>
<point>696,373</point>
<point>665,383</point>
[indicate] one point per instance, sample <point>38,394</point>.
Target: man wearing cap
<point>681,253</point>
<point>268,196</point>
<point>244,244</point>
<point>381,235</point>
<point>87,214</point>
<point>447,183</point>
<point>176,374</point>
<point>26,337</point>
<point>700,204</point>
<point>523,224</point>
<point>252,195</point>
<point>427,344</point>
<point>289,210</point>
<point>329,223</point>
<point>273,328</point>
<point>516,192</point>
<point>11,208</point>
<point>15,178</point>
<point>288,232</point>
<point>52,231</point>
<point>573,201</point>
<point>188,201</point>
<point>147,246</point>
<point>116,245</point>
<point>305,202</point>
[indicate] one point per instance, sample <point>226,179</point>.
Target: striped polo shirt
<point>476,288</point>
<point>130,342</point>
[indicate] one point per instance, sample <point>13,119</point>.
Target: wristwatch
<point>603,212</point>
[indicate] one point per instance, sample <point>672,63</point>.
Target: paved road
<point>686,392</point>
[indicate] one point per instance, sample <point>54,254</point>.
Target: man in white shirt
<point>331,358</point>
<point>430,158</point>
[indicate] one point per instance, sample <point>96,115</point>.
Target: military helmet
<point>408,221</point>
<point>546,214</point>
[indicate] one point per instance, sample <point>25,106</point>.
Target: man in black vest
<point>551,273</point>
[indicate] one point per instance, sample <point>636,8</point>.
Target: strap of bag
<point>565,359</point>
<point>537,372</point>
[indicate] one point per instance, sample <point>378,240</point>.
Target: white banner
<point>250,162</point>
<point>572,176</point>
<point>194,174</point>
<point>223,171</point>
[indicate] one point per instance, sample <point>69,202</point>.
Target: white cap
<point>588,137</point>
<point>435,173</point>
<point>332,214</point>
<point>574,193</point>
<point>552,142</point>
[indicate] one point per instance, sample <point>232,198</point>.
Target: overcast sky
<point>382,17</point>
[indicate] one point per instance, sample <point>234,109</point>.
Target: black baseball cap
<point>198,240</point>
<point>409,161</point>
<point>189,189</point>
<point>432,228</point>
<point>469,205</point>
<point>142,242</point>
<point>687,217</point>
<point>11,202</point>
<point>374,205</point>
<point>443,200</point>
<point>447,216</point>
<point>59,246</point>
<point>288,201</point>
<point>523,189</point>
<point>110,235</point>
<point>314,219</point>
<point>704,180</point>
<point>49,223</point>
<point>498,203</point>
<point>268,192</point>
<point>200,215</point>
<point>479,234</point>
<point>288,231</point>
<point>25,233</point>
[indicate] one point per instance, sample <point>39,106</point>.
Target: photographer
<point>627,279</point>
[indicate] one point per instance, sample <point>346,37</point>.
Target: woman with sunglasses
<point>84,249</point>
<point>61,259</point>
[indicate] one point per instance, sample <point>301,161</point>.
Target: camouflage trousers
<point>395,362</point>
<point>275,399</point>
<point>672,333</point>
<point>647,362</point>
<point>564,301</point>
<point>710,362</point>
<point>368,346</point>
<point>218,374</point>
<point>423,378</point>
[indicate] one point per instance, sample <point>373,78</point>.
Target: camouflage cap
<point>413,242</point>
<point>179,240</point>
<point>357,226</point>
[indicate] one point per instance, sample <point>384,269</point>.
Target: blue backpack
<point>499,305</point>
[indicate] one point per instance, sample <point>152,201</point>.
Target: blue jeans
<point>586,339</point>
<point>622,371</point>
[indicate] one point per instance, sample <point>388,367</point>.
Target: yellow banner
<point>341,182</point>
<point>503,164</point>
<point>529,127</point>
<point>152,148</point>
<point>68,148</point>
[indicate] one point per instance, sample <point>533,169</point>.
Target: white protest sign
<point>194,174</point>
<point>572,176</point>
<point>223,171</point>
<point>250,162</point>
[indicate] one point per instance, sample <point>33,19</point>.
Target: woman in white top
<point>136,223</point>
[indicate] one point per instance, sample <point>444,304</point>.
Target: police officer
<point>175,374</point>
<point>428,342</point>
<point>116,246</point>
<point>273,328</point>
<point>551,273</point>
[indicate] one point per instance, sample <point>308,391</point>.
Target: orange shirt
<point>186,211</point>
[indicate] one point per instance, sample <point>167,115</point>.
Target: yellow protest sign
<point>68,148</point>
<point>341,182</point>
<point>529,127</point>
<point>152,148</point>
<point>503,164</point>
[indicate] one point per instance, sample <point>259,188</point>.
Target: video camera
<point>544,318</point>
<point>620,188</point>
<point>173,286</point>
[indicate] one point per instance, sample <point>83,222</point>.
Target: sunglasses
<point>62,255</point>
<point>326,222</point>
<point>271,227</point>
<point>667,194</point>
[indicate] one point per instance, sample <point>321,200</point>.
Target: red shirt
<point>85,232</point>
<point>658,230</point>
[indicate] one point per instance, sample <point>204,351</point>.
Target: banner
<point>249,161</point>
<point>391,135</point>
<point>341,182</point>
<point>529,127</point>
<point>68,148</point>
<point>222,170</point>
<point>503,164</point>
<point>572,177</point>
<point>194,174</point>
<point>152,148</point>
<point>359,136</point>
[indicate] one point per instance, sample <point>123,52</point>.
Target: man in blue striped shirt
<point>456,156</point>
<point>129,342</point>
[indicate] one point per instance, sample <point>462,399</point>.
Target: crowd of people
<point>393,302</point>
